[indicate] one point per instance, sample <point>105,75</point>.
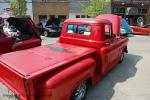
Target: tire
<point>122,57</point>
<point>80,92</point>
<point>45,33</point>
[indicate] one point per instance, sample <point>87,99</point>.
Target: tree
<point>18,7</point>
<point>96,7</point>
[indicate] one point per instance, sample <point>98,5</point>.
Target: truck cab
<point>86,51</point>
<point>97,34</point>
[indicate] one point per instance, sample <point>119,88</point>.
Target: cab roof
<point>88,21</point>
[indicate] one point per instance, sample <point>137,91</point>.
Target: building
<point>44,9</point>
<point>132,10</point>
<point>76,8</point>
<point>29,8</point>
<point>5,5</point>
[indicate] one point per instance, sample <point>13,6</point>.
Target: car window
<point>71,29</point>
<point>79,29</point>
<point>108,32</point>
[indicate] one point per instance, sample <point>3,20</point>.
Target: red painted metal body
<point>8,43</point>
<point>140,30</point>
<point>114,19</point>
<point>52,72</point>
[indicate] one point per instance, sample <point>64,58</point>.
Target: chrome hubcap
<point>80,91</point>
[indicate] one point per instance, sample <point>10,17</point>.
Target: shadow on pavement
<point>104,89</point>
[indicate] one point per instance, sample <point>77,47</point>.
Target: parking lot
<point>129,80</point>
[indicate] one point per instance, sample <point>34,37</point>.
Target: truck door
<point>110,52</point>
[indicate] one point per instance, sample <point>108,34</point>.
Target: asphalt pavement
<point>129,80</point>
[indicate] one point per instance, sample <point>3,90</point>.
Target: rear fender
<point>61,85</point>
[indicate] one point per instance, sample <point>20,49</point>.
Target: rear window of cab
<point>79,29</point>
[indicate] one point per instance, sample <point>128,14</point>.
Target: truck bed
<point>34,61</point>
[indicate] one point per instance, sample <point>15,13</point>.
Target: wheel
<point>80,92</point>
<point>122,57</point>
<point>46,33</point>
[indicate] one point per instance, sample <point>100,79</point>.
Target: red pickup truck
<point>18,34</point>
<point>87,50</point>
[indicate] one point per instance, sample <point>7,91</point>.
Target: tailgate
<point>12,80</point>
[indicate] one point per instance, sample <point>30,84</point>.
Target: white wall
<point>73,15</point>
<point>29,8</point>
<point>108,9</point>
<point>3,6</point>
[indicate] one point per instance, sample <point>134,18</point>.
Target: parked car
<point>52,30</point>
<point>147,25</point>
<point>19,34</point>
<point>141,30</point>
<point>125,28</point>
<point>87,50</point>
<point>41,27</point>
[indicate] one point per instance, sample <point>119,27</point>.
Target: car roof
<point>88,21</point>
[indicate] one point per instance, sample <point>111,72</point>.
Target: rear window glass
<point>79,29</point>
